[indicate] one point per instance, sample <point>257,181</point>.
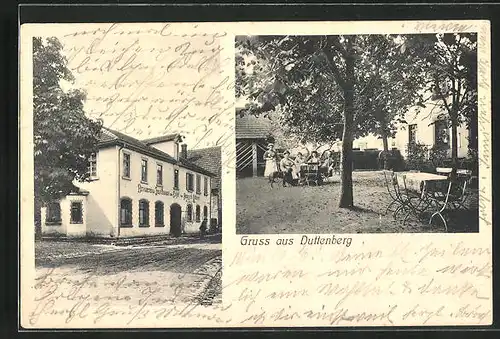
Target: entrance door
<point>175,220</point>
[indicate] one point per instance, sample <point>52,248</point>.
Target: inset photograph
<point>114,205</point>
<point>357,134</point>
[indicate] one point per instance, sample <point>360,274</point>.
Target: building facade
<point>427,126</point>
<point>210,159</point>
<point>136,188</point>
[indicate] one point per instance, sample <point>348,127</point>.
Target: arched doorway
<point>175,220</point>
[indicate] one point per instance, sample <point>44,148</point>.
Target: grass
<point>310,210</point>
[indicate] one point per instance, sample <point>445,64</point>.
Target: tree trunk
<point>38,219</point>
<point>473,132</point>
<point>454,147</point>
<point>386,142</point>
<point>346,195</point>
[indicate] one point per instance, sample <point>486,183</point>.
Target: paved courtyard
<point>298,210</point>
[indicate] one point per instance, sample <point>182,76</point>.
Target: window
<point>93,166</point>
<point>144,170</point>
<point>198,184</point>
<point>205,212</point>
<point>189,212</point>
<point>159,220</point>
<point>76,212</point>
<point>159,174</point>
<point>412,134</point>
<point>205,185</point>
<point>176,179</point>
<point>441,134</point>
<point>53,213</point>
<point>126,212</point>
<point>198,213</point>
<point>126,165</point>
<point>143,213</point>
<point>189,182</point>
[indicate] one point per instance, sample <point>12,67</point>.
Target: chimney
<point>184,151</point>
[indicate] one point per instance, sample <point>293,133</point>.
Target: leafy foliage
<point>293,74</point>
<point>64,138</point>
<point>438,156</point>
<point>330,87</point>
<point>452,78</point>
<point>417,157</point>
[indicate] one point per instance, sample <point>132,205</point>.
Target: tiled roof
<point>251,127</point>
<point>168,137</point>
<point>111,137</point>
<point>210,159</point>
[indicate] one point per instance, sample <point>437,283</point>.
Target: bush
<point>417,158</point>
<point>396,161</point>
<point>439,157</point>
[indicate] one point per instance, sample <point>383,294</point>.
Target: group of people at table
<point>292,169</point>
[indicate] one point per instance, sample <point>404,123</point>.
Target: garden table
<point>447,170</point>
<point>418,182</point>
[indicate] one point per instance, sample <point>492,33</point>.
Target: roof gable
<point>251,127</point>
<point>163,138</point>
<point>111,137</point>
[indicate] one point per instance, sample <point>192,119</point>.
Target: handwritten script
<point>446,285</point>
<point>408,284</point>
<point>156,81</point>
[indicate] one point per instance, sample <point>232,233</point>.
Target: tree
<point>396,87</point>
<point>330,86</point>
<point>452,78</point>
<point>64,138</point>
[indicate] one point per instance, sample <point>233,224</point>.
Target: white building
<point>137,188</point>
<point>425,126</point>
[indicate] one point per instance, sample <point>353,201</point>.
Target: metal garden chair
<point>454,196</point>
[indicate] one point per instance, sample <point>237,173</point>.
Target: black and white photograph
<point>357,133</point>
<point>127,192</point>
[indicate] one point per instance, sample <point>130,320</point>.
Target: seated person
<point>299,162</point>
<point>313,159</point>
<point>287,165</point>
<point>325,161</point>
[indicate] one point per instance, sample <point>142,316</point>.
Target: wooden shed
<point>252,136</point>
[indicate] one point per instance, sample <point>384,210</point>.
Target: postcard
<point>255,174</point>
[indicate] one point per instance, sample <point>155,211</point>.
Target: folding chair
<point>392,192</point>
<point>402,198</point>
<point>454,194</point>
<point>410,195</point>
<point>462,195</point>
